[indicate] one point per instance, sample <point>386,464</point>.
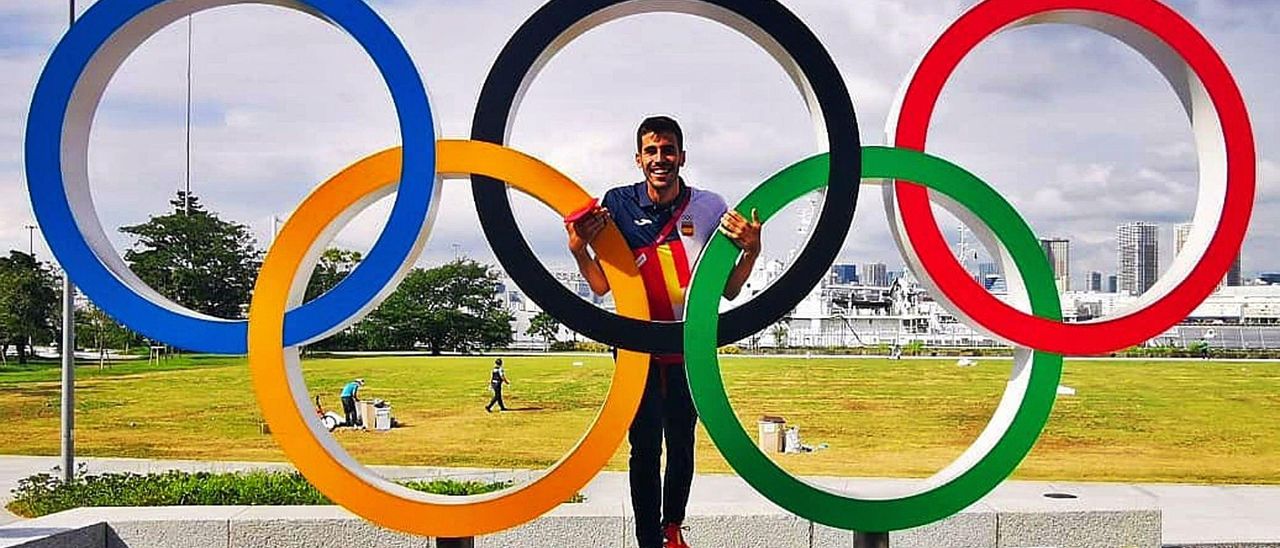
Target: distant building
<point>994,283</point>
<point>575,283</point>
<point>1058,251</point>
<point>1137,256</point>
<point>844,274</point>
<point>875,275</point>
<point>1113,284</point>
<point>1235,276</point>
<point>1095,282</point>
<point>1182,233</point>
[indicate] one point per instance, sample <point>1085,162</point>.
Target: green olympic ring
<point>1000,448</point>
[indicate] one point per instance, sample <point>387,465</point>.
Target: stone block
<point>1119,518</point>
<point>1225,545</point>
<point>29,535</point>
<point>311,526</point>
<point>714,525</point>
<point>821,536</point>
<point>748,531</point>
<point>974,527</point>
<point>571,531</point>
<point>166,527</point>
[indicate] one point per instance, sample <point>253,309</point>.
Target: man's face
<point>660,158</point>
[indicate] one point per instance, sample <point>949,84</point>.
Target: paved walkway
<point>1192,514</point>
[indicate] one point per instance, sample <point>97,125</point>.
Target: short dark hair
<point>659,125</point>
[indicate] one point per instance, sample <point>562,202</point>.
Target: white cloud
<point>1078,132</point>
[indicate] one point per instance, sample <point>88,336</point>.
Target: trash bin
<point>365,413</point>
<point>791,440</point>
<point>771,436</point>
<point>382,418</point>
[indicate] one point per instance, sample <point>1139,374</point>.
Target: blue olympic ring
<point>73,81</point>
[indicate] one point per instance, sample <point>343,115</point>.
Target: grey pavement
<point>1192,514</point>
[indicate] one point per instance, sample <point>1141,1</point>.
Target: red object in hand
<point>583,212</point>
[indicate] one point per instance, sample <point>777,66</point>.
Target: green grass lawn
<point>1131,420</point>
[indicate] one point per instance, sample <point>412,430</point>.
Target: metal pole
<point>870,540</point>
<point>31,240</point>
<point>68,358</point>
<point>465,542</point>
<point>68,379</point>
<point>186,200</point>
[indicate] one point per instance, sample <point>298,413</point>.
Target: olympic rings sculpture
<point>84,61</point>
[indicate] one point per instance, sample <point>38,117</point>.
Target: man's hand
<point>583,232</point>
<point>744,234</point>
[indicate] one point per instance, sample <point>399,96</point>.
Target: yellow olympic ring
<point>281,390</point>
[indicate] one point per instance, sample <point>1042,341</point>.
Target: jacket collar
<point>642,194</point>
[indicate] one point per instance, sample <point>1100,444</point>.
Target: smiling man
<point>666,223</point>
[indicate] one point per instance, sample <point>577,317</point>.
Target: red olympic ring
<point>1110,334</point>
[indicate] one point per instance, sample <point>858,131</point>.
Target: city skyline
<point>1058,252</point>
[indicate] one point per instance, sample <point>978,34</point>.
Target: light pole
<point>68,357</point>
<point>186,196</point>
<point>31,240</point>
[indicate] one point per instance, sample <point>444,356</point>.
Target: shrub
<point>913,348</point>
<point>592,346</point>
<point>44,494</point>
<point>456,488</point>
<point>563,346</point>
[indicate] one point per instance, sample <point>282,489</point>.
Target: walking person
<point>497,378</point>
<point>351,395</point>
<point>666,223</point>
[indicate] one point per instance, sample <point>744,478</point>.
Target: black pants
<point>349,409</point>
<point>666,412</point>
<point>497,397</point>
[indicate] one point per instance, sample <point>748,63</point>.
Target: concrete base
<point>999,525</point>
<point>91,536</point>
<point>1227,545</point>
<point>1121,517</point>
<point>1192,516</point>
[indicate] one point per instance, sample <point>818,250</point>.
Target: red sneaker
<point>673,535</point>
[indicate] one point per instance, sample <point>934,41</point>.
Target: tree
<point>780,334</point>
<point>28,303</point>
<point>545,326</point>
<point>450,307</point>
<point>333,266</point>
<point>195,258</point>
<point>98,331</point>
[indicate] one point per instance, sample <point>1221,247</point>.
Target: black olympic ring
<point>769,24</point>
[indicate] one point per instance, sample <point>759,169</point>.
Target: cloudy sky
<point>1076,130</point>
